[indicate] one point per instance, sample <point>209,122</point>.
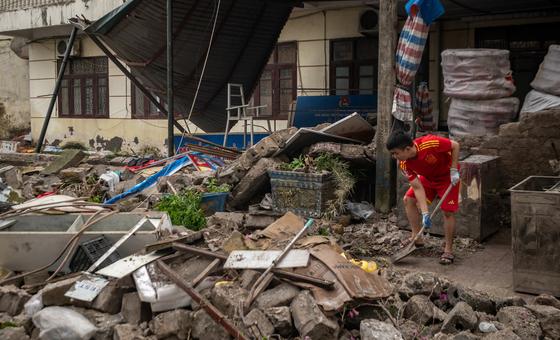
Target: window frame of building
<point>147,105</point>
<point>275,68</point>
<point>67,108</point>
<point>354,65</point>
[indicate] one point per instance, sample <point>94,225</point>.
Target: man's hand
<point>426,220</point>
<point>455,176</point>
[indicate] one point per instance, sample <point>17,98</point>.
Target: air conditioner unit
<point>369,22</point>
<point>61,48</point>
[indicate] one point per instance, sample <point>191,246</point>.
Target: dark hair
<point>398,140</point>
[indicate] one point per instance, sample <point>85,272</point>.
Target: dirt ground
<point>489,268</point>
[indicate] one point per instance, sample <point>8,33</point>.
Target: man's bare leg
<point>449,229</point>
<point>413,215</point>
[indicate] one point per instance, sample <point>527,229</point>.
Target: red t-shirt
<point>433,160</point>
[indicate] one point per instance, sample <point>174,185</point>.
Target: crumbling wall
<point>14,91</point>
<point>528,147</point>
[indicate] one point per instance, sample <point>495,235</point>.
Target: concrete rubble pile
<point>156,279</point>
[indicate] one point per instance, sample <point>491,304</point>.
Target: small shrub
<point>212,186</point>
<point>184,209</point>
<point>73,145</point>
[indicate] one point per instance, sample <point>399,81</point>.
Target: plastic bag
<point>360,211</point>
<point>34,305</point>
<point>538,101</point>
<point>547,79</point>
<point>480,117</point>
<point>111,178</point>
<point>477,73</point>
<point>60,323</point>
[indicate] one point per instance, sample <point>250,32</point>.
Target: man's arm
<point>420,194</point>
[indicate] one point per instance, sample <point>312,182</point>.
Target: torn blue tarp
<point>168,170</point>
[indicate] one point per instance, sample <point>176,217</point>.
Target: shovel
<point>410,248</point>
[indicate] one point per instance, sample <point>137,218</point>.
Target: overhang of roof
<point>246,33</point>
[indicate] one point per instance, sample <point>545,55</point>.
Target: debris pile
<point>206,245</point>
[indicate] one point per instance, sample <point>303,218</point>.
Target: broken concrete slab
<point>461,317</point>
<point>423,311</point>
<point>259,221</point>
<point>479,301</point>
<point>420,284</point>
<point>502,302</point>
<point>13,333</point>
<point>133,310</point>
<point>310,321</point>
<point>546,299</point>
<point>177,322</point>
<point>205,328</point>
<point>229,220</point>
<point>74,174</point>
<point>281,319</point>
<point>11,176</point>
<point>503,334</point>
<point>228,297</point>
<point>12,299</point>
<point>68,158</point>
<point>127,332</point>
<point>549,319</point>
<point>281,295</point>
<point>258,324</point>
<point>234,242</point>
<point>110,298</point>
<point>248,278</point>
<point>53,293</point>
<point>372,329</point>
<point>254,182</point>
<point>521,320</point>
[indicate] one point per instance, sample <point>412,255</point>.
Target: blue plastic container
<point>213,202</point>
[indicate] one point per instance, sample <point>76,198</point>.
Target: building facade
<point>325,48</point>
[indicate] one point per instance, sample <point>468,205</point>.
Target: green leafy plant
<point>184,209</point>
<point>296,164</point>
<point>7,324</point>
<point>212,186</point>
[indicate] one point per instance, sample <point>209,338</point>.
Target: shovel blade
<point>401,254</point>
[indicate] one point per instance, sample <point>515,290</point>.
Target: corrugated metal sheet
<point>246,33</point>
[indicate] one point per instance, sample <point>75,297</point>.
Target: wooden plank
<point>385,168</point>
<point>262,259</point>
<point>326,284</point>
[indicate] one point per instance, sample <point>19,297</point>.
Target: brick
<point>12,299</point>
<point>281,295</point>
<point>133,310</point>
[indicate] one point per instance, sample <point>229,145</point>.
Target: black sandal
<point>446,258</point>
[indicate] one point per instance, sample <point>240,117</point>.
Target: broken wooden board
<point>358,283</point>
<point>329,299</point>
<point>257,259</point>
<point>87,288</point>
<point>352,126</point>
<point>129,264</point>
<point>284,228</point>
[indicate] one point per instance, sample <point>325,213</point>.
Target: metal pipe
<point>69,46</point>
<point>170,108</point>
<point>212,311</point>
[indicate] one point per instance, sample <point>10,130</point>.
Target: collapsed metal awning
<point>246,32</point>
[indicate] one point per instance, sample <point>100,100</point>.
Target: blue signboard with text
<point>314,110</point>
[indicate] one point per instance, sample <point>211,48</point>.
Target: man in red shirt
<point>431,165</point>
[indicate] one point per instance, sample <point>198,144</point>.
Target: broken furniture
<point>535,231</point>
<point>33,240</point>
<point>237,110</point>
<point>479,200</point>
